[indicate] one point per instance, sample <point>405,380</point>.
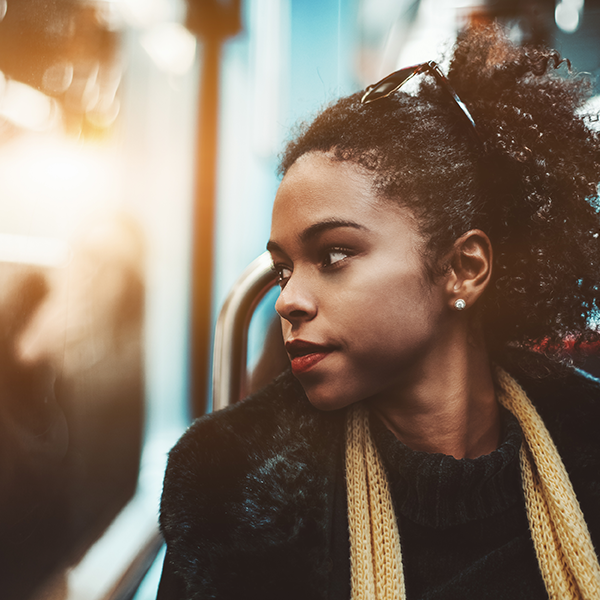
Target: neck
<point>448,405</point>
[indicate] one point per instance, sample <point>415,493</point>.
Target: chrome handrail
<point>231,333</point>
<point>133,576</point>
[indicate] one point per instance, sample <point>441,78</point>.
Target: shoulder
<point>568,401</point>
<point>558,390</point>
<point>250,485</point>
<point>569,404</point>
<point>245,435</point>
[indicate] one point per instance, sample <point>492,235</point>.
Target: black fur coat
<point>248,501</point>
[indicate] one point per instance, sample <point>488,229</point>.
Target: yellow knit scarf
<point>565,552</point>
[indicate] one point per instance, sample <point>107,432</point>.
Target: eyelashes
<point>329,259</point>
<point>282,273</point>
<point>333,256</point>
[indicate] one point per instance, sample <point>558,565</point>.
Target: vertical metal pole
<point>204,223</point>
<point>213,21</point>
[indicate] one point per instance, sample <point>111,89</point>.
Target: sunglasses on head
<point>388,85</point>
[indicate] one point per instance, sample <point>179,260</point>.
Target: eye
<point>335,255</point>
<point>283,273</point>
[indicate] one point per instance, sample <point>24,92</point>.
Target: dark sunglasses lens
<point>389,84</point>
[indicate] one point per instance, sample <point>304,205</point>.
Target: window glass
<point>97,112</point>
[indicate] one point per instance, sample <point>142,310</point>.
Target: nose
<point>296,303</point>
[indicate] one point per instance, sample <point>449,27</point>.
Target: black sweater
<point>254,502</point>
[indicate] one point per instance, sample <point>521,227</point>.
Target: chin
<point>327,400</point>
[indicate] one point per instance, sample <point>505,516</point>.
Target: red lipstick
<point>305,355</point>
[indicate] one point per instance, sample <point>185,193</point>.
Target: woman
<point>434,253</point>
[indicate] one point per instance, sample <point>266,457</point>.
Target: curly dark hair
<point>533,188</point>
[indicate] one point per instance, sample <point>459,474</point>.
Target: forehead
<point>317,188</point>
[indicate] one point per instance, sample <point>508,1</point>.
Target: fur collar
<point>249,492</point>
<point>248,496</point>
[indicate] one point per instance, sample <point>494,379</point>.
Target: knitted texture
<point>375,557</point>
<point>564,549</point>
<point>562,542</point>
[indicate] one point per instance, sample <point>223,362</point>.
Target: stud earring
<point>460,304</point>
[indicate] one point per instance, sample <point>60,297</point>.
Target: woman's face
<point>357,308</point>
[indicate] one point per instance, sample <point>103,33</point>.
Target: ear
<point>470,269</point>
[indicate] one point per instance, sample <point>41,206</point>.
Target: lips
<point>305,355</point>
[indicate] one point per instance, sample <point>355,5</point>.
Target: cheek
<point>285,326</point>
<point>391,323</point>
<point>398,297</point>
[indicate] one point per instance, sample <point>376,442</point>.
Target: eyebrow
<point>316,229</point>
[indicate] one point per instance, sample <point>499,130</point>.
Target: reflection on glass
<point>71,294</point>
<point>71,402</point>
<point>95,172</point>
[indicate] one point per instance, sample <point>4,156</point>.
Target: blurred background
<point>138,156</point>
